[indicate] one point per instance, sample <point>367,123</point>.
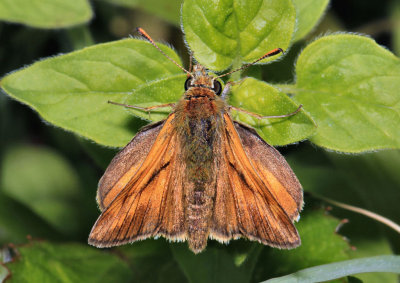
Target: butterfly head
<point>200,81</point>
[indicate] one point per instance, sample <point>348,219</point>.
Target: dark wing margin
<point>150,201</point>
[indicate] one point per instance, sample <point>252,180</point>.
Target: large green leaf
<point>258,97</point>
<point>46,262</point>
<point>167,10</point>
<point>222,33</point>
<point>349,85</point>
<point>340,269</point>
<point>46,13</point>
<point>71,91</point>
<point>309,12</point>
<point>44,182</point>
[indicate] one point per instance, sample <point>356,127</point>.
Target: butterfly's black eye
<point>188,83</point>
<point>217,88</point>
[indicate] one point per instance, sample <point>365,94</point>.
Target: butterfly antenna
<point>190,62</point>
<point>269,54</point>
<point>145,35</point>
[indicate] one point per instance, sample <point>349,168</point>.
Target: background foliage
<point>50,163</point>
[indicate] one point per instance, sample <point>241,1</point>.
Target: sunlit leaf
<point>46,13</point>
<point>71,91</point>
<point>163,91</point>
<point>349,85</point>
<point>308,13</point>
<point>263,99</point>
<point>230,32</point>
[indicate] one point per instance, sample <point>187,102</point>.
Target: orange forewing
<point>274,171</point>
<point>245,206</point>
<point>148,200</point>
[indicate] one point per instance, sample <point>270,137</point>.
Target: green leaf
<point>46,13</point>
<point>320,244</point>
<point>309,12</point>
<point>340,269</point>
<point>71,91</point>
<point>47,262</point>
<point>230,32</point>
<point>23,222</point>
<point>44,182</point>
<point>349,85</point>
<point>258,97</point>
<point>217,263</point>
<point>163,91</point>
<point>167,10</point>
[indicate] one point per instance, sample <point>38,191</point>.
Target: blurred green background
<point>48,177</point>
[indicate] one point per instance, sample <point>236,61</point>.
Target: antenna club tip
<point>143,33</point>
<point>274,52</point>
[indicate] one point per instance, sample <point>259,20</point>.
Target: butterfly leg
<point>146,109</point>
<point>264,117</point>
<point>226,90</point>
<point>191,62</point>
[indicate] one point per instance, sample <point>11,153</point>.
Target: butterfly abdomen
<point>198,139</point>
